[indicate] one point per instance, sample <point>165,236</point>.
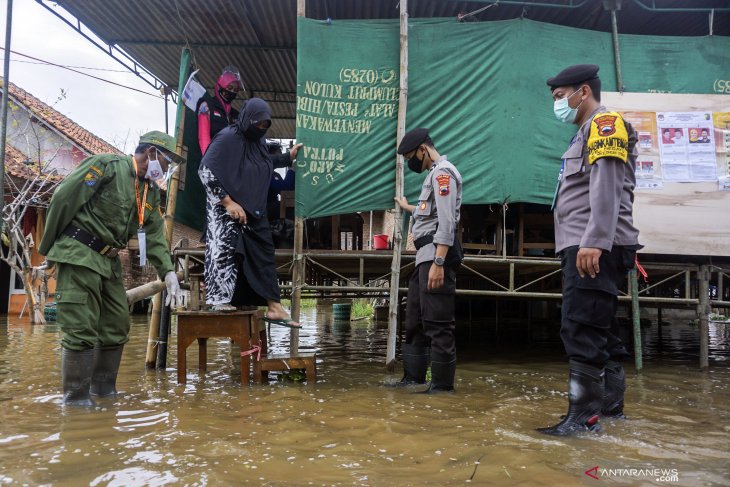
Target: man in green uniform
<point>92,214</point>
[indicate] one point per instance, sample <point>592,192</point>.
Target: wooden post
<point>298,269</point>
<point>703,311</point>
<point>154,330</point>
<point>398,214</point>
<point>4,105</point>
<point>634,287</point>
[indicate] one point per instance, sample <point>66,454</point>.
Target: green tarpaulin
<point>479,87</point>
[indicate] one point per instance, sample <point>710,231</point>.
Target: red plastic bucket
<point>380,242</point>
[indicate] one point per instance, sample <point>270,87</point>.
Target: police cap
<point>573,75</point>
<point>162,141</point>
<point>412,140</point>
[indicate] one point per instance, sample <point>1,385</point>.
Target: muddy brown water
<point>348,429</point>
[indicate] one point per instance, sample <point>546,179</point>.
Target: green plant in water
<point>428,374</point>
<point>293,375</point>
<point>360,308</point>
<point>308,303</point>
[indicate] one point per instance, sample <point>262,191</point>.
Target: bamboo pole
<point>298,270</point>
<point>4,106</point>
<point>398,214</point>
<point>154,330</point>
<point>703,312</point>
<point>146,290</point>
<point>636,316</point>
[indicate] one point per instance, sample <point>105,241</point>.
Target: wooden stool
<point>239,326</point>
<point>307,361</point>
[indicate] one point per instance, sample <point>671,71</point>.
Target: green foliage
<point>305,303</point>
<point>293,375</point>
<point>360,308</point>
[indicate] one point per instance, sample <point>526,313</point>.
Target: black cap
<point>574,75</point>
<point>412,140</point>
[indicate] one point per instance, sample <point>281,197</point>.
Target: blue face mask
<point>563,111</point>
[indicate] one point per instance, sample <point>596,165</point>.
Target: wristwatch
<point>439,261</point>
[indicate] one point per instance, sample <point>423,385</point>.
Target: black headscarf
<point>241,165</point>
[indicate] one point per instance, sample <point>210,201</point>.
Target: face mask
<point>168,175</point>
<point>563,111</point>
<point>228,96</point>
<point>154,169</point>
<point>415,164</point>
<point>254,133</point>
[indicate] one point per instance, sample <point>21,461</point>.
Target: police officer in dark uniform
<point>430,312</point>
<point>597,242</point>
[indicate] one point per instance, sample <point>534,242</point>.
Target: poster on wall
<point>721,121</point>
<point>648,162</point>
<point>686,146</point>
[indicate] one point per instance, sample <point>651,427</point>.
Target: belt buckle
<point>110,252</point>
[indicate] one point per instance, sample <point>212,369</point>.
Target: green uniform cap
<point>164,142</point>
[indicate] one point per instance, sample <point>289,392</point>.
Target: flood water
<point>347,429</point>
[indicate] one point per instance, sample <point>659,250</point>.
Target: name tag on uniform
<point>142,237</point>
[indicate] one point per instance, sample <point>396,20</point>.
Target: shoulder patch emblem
<point>443,182</point>
<point>606,125</point>
<point>608,138</point>
<point>91,178</point>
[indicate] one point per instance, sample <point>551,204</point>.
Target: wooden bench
<point>306,361</point>
<point>240,326</point>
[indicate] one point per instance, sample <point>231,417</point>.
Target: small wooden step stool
<point>307,361</point>
<point>240,326</point>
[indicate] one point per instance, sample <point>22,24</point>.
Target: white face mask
<point>154,169</point>
<point>563,111</point>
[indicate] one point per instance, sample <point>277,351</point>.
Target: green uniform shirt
<point>98,196</point>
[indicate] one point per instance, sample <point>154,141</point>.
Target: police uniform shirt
<point>595,193</point>
<point>438,209</point>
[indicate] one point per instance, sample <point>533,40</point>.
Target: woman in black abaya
<point>239,256</point>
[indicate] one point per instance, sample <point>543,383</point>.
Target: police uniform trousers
<point>589,330</point>
<point>91,310</point>
<point>430,313</point>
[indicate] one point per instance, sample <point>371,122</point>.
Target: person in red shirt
<point>215,112</point>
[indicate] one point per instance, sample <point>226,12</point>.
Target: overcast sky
<point>116,114</point>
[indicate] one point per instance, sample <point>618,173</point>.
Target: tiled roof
<point>16,166</point>
<point>87,141</point>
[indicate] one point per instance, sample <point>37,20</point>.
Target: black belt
<point>423,241</point>
<point>91,241</point>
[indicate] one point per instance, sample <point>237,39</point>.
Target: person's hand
<point>235,211</point>
<point>174,294</point>
<point>293,151</point>
<point>435,277</point>
<point>402,202</point>
<point>587,261</point>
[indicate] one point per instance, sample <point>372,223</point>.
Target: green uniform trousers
<point>90,309</point>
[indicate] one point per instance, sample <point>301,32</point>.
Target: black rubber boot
<point>106,368</point>
<point>443,370</point>
<point>76,367</point>
<point>415,363</point>
<point>585,399</point>
<point>615,386</point>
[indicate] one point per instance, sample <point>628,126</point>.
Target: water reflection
<point>349,430</point>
